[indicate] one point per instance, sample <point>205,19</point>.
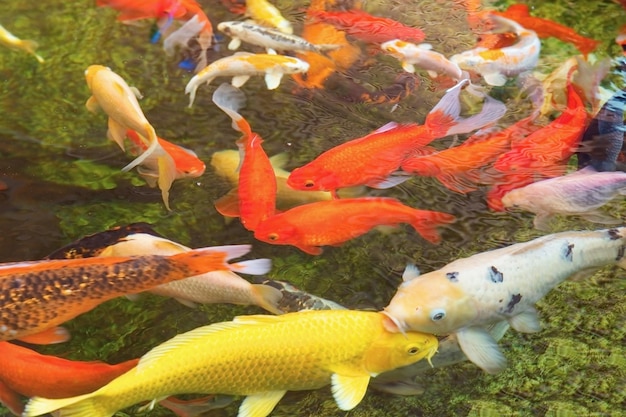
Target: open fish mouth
<point>395,326</point>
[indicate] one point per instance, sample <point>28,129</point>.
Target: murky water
<point>64,181</point>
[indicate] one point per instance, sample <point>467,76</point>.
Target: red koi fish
<point>546,28</point>
<point>463,167</point>
<point>24,372</point>
<point>371,160</point>
<point>368,28</point>
<point>257,181</point>
<point>334,222</point>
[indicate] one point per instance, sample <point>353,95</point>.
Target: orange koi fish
<point>257,181</point>
<point>144,9</point>
<point>168,163</point>
<point>24,372</point>
<point>334,222</point>
<point>462,167</point>
<point>372,159</point>
<point>366,27</point>
<point>36,296</point>
<point>546,28</point>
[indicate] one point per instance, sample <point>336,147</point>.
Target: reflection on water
<point>63,181</point>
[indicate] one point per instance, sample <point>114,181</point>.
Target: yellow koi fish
<point>261,357</point>
<point>119,101</point>
<point>496,64</point>
<point>265,13</point>
<point>13,42</point>
<point>242,65</point>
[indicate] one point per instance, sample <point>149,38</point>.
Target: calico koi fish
<point>24,372</point>
<point>421,55</point>
<point>580,193</point>
<point>502,284</point>
<point>336,221</point>
<point>242,65</point>
<point>169,162</point>
<point>38,295</point>
<point>366,27</point>
<point>265,13</point>
<point>371,159</point>
<point>257,184</point>
<point>496,64</point>
<point>547,28</point>
<point>261,357</point>
<point>9,40</point>
<point>268,38</point>
<point>119,101</point>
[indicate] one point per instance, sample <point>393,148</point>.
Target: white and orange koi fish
<point>465,296</point>
<point>242,65</point>
<point>496,64</point>
<point>422,56</point>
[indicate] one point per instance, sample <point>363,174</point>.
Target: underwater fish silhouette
<point>261,357</point>
<point>502,284</point>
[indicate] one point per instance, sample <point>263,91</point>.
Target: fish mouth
<point>394,325</point>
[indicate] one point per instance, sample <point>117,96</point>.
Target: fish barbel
<point>261,357</point>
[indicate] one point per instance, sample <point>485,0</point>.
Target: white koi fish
<point>13,42</point>
<point>469,294</point>
<point>424,57</point>
<point>580,193</point>
<point>209,288</point>
<point>242,65</point>
<point>496,64</point>
<point>119,101</point>
<point>270,39</point>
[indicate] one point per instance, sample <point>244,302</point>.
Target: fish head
<point>516,199</point>
<point>227,27</point>
<point>430,303</point>
<point>394,47</point>
<point>395,350</point>
<point>276,230</point>
<point>91,72</point>
<point>295,66</point>
<point>312,178</point>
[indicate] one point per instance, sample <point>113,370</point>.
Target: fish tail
<point>427,222</point>
<point>153,145</point>
<point>230,100</point>
<point>192,87</point>
<point>444,119</point>
<point>80,406</point>
<point>216,258</point>
<point>267,297</point>
<point>30,46</point>
<point>167,175</point>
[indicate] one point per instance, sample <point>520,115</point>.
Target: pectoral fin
<point>239,80</point>
<point>11,400</point>
<point>349,390</point>
<point>526,322</point>
<point>495,78</point>
<point>234,44</point>
<point>408,67</point>
<point>482,349</point>
<point>260,405</point>
<point>48,336</point>
<point>116,133</point>
<point>92,104</point>
<point>272,79</point>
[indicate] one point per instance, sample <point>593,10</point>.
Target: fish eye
<point>309,183</point>
<point>413,350</point>
<point>273,236</point>
<point>437,314</point>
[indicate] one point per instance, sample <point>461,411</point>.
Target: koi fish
<point>9,40</point>
<point>502,284</point>
<point>421,55</point>
<point>144,9</point>
<point>294,299</point>
<point>372,159</point>
<point>24,372</point>
<point>38,295</point>
<point>547,28</point>
<point>336,221</point>
<point>496,64</point>
<point>300,351</point>
<point>242,65</point>
<point>366,27</point>
<point>257,184</point>
<point>167,163</point>
<point>580,193</point>
<point>265,13</point>
<point>268,38</point>
<point>119,101</point>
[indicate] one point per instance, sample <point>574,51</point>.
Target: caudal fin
<point>80,406</point>
<point>427,222</point>
<point>215,258</point>
<point>444,119</point>
<point>230,99</point>
<point>153,145</point>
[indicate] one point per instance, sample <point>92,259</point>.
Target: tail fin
<point>427,222</point>
<point>167,175</point>
<point>30,47</point>
<point>444,119</point>
<point>215,258</point>
<point>153,144</point>
<point>230,99</point>
<point>267,297</point>
<point>80,406</point>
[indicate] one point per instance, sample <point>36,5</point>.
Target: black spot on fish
<point>515,298</point>
<point>620,253</point>
<point>452,276</point>
<point>495,275</point>
<point>614,234</point>
<point>568,253</point>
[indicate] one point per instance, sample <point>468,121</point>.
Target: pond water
<point>63,181</point>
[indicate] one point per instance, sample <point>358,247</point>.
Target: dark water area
<point>61,180</point>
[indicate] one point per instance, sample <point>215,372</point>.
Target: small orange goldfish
<point>24,372</point>
<point>38,295</point>
<point>334,222</point>
<point>257,182</point>
<point>371,160</point>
